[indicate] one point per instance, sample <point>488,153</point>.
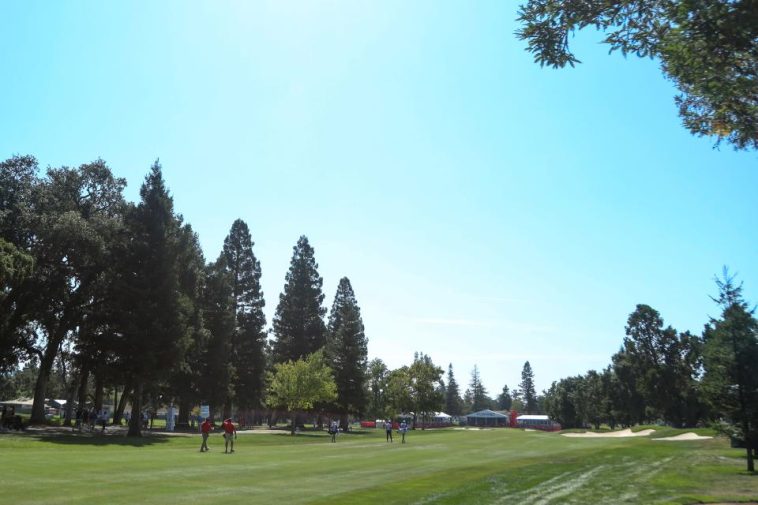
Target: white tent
<point>441,417</point>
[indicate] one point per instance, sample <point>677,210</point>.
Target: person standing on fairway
<point>403,430</point>
<point>333,429</point>
<point>388,429</point>
<point>205,430</point>
<point>230,433</point>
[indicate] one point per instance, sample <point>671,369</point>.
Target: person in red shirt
<point>230,434</point>
<point>205,430</point>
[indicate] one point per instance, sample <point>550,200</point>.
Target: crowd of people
<point>90,418</point>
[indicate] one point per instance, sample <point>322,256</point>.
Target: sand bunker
<point>685,436</point>
<point>610,434</point>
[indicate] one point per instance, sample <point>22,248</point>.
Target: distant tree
<point>504,400</point>
<point>590,399</point>
<point>468,401</point>
<point>626,400</point>
<point>607,383</point>
<point>399,392</point>
<point>527,388</point>
<point>709,49</point>
<point>518,402</point>
<point>426,378</point>
<point>479,397</point>
<point>665,365</point>
<point>453,399</point>
<point>249,336</point>
<point>377,389</point>
<point>347,352</point>
<point>19,382</point>
<point>561,402</point>
<point>415,388</point>
<point>731,365</point>
<point>298,325</point>
<point>299,385</point>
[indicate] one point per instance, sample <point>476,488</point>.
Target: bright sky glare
<point>487,211</point>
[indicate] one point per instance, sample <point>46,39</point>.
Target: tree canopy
<point>707,48</point>
<point>298,325</point>
<point>731,365</point>
<point>300,385</point>
<point>527,388</point>
<point>248,339</point>
<point>347,351</point>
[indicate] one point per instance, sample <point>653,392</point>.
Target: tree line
<point>103,294</point>
<point>661,375</point>
<point>105,300</point>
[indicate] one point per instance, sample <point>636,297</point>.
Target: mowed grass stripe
<point>446,467</point>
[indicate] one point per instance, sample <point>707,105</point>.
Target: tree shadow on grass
<point>324,435</point>
<point>96,440</point>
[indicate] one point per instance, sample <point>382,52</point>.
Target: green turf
<point>434,467</point>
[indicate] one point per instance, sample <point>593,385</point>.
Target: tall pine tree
<point>452,394</point>
<point>299,328</point>
<point>479,398</point>
<point>249,337</point>
<point>731,365</point>
<point>529,395</point>
<point>218,314</point>
<point>504,399</point>
<point>188,376</point>
<point>148,290</point>
<point>347,351</point>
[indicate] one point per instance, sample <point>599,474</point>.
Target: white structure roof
<point>528,417</point>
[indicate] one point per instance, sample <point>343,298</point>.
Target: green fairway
<point>445,467</point>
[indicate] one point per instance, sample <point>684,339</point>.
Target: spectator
<point>230,434</point>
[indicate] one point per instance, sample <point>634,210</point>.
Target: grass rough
<point>434,467</point>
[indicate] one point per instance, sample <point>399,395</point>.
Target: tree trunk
<point>98,389</point>
<point>343,423</point>
<point>183,420</point>
<point>227,413</point>
<point>115,401</point>
<point>135,422</point>
<point>750,464</point>
<point>294,419</point>
<point>70,395</point>
<point>45,365</point>
<point>273,418</point>
<point>119,412</point>
<point>83,387</point>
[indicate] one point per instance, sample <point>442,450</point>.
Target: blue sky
<point>487,211</point>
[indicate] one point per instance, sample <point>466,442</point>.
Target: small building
<point>537,422</point>
<point>442,419</point>
<point>487,417</point>
<point>19,405</point>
